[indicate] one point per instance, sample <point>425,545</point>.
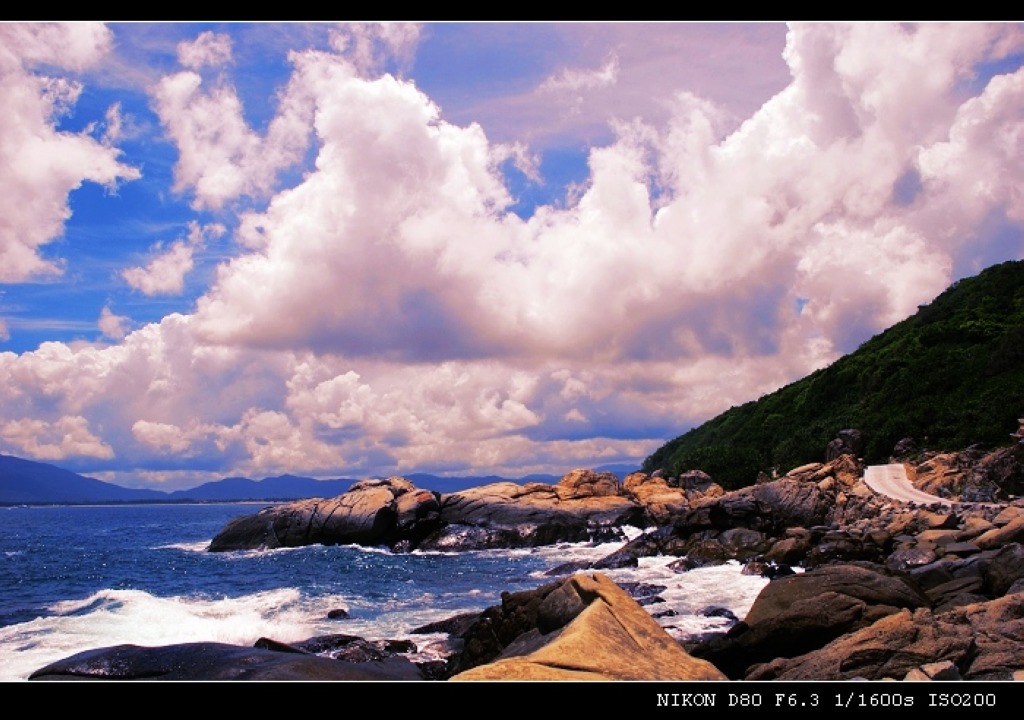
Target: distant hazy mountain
<point>25,481</point>
<point>282,487</point>
<point>28,482</point>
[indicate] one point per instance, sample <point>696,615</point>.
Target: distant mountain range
<point>26,482</point>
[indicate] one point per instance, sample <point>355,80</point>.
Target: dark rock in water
<point>460,538</point>
<point>569,568</point>
<point>337,614</point>
<point>218,661</point>
<point>639,590</point>
<point>721,612</point>
<point>682,565</point>
<point>768,570</point>
<point>270,644</point>
<point>456,625</point>
<point>356,649</point>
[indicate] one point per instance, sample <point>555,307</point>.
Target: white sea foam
<point>114,617</point>
<point>196,547</point>
<point>690,595</point>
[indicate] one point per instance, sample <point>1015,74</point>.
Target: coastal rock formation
<point>747,523</point>
<point>969,475</point>
<point>372,512</point>
<point>584,505</point>
<point>583,628</point>
<point>980,641</point>
<point>881,589</point>
<point>802,612</point>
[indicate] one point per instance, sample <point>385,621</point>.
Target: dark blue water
<point>76,578</point>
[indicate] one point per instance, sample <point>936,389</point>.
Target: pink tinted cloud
<point>388,311</point>
<point>209,48</point>
<point>40,166</point>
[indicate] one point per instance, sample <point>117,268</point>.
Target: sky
<point>361,250</point>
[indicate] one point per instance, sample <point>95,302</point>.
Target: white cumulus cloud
<point>39,165</point>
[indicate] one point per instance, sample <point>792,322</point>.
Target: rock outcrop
<point>584,505</point>
<point>802,612</point>
<point>371,512</point>
<point>583,628</point>
<point>981,641</point>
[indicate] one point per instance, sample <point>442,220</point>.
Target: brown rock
<point>582,483</point>
<point>1011,532</point>
<point>611,638</point>
<point>980,640</point>
<point>662,501</point>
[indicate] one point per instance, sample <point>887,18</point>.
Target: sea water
<point>76,578</point>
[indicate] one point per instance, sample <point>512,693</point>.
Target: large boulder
<point>371,512</point>
<point>581,483</point>
<point>583,628</point>
<point>662,500</point>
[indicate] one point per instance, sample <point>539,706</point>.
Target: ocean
<point>82,577</point>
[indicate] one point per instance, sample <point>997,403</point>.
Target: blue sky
<point>371,249</point>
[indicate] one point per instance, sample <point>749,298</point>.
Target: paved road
<point>891,481</point>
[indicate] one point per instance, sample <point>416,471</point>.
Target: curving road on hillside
<point>892,481</point>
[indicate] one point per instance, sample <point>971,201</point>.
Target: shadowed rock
<point>218,661</point>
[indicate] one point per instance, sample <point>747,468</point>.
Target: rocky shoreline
<point>862,587</point>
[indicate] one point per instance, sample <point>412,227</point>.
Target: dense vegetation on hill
<point>950,376</point>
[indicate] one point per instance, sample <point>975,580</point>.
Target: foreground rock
<point>844,622</point>
<point>802,612</point>
<point>583,628</point>
<point>973,642</point>
<point>219,661</point>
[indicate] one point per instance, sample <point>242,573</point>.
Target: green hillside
<point>950,376</point>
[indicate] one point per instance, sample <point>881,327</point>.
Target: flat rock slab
<point>217,661</point>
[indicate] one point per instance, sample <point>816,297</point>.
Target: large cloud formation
<point>388,312</point>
